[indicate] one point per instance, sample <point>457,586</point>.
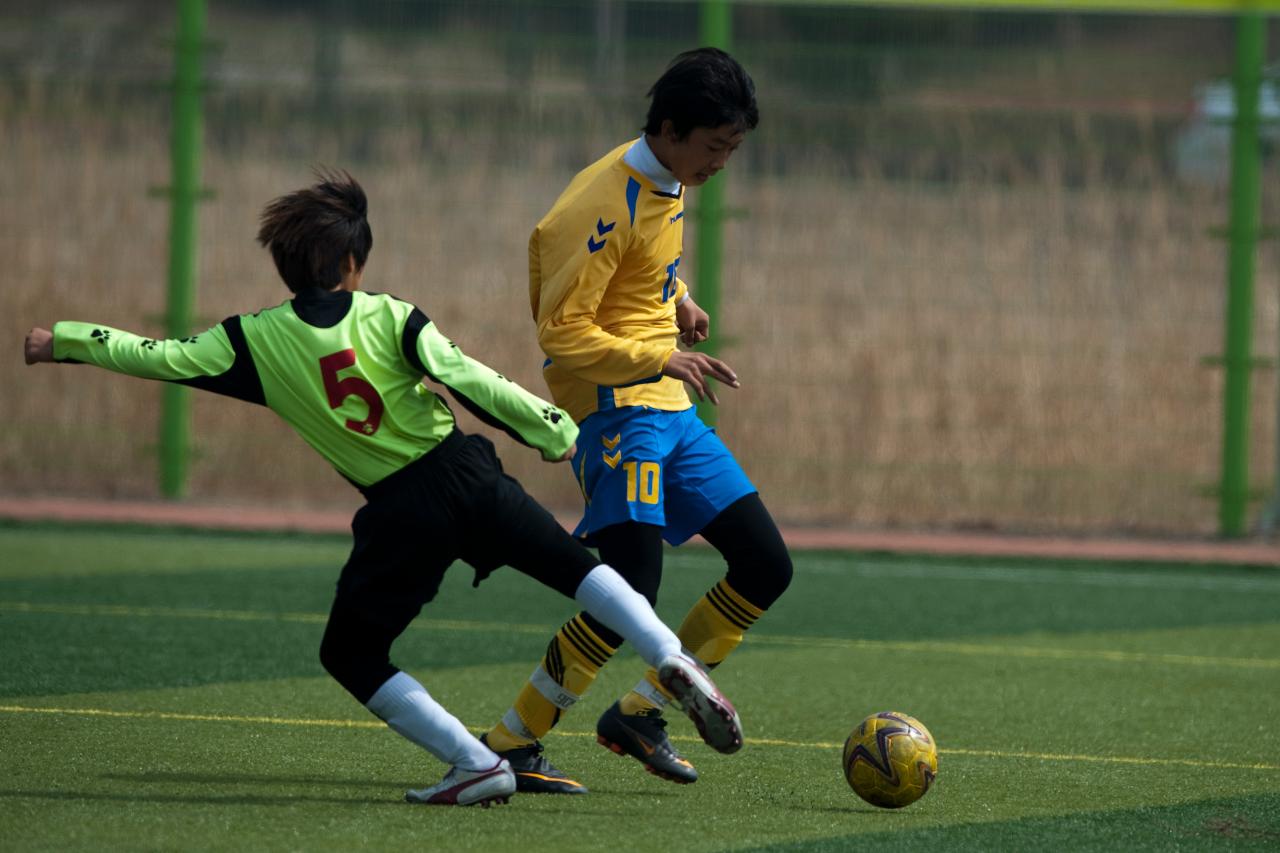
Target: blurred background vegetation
<point>969,280</point>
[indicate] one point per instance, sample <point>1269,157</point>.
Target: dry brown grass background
<point>1021,356</point>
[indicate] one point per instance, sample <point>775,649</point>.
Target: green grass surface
<point>161,690</point>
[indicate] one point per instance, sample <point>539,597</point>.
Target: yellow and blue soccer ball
<point>890,760</point>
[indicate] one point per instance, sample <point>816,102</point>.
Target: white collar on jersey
<point>641,158</point>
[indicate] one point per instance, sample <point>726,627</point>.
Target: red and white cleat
<point>469,787</point>
<point>702,702</point>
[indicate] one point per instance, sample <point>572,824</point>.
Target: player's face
<point>702,153</point>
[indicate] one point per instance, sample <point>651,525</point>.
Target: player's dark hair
<point>312,231</point>
<point>705,87</point>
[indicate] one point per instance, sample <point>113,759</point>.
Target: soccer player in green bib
<point>610,309</point>
<point>344,368</point>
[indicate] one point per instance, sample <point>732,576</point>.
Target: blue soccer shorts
<point>663,468</point>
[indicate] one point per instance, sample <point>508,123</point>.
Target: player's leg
<point>759,571</point>
<point>608,600</point>
<point>583,645</point>
<point>573,658</point>
<point>383,586</point>
<point>707,492</point>
<point>632,725</point>
<point>528,538</point>
<point>636,447</point>
<point>355,651</point>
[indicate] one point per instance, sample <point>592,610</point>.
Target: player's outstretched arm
<point>209,360</point>
<point>495,399</point>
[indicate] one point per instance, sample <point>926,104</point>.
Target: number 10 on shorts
<point>644,479</point>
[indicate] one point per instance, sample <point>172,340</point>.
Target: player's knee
<point>359,665</point>
<point>336,660</point>
<point>360,674</point>
<point>780,572</point>
<point>785,573</point>
<point>763,577</point>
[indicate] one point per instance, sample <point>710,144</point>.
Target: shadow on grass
<point>190,799</point>
<point>1234,822</point>
<point>242,779</point>
<point>570,807</point>
<point>226,779</point>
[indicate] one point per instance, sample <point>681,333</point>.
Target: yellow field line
<point>194,718</point>
<point>917,646</point>
<point>1109,759</point>
<point>826,745</point>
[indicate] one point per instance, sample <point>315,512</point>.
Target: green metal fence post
<point>184,192</point>
<point>1245,202</point>
<point>714,30</point>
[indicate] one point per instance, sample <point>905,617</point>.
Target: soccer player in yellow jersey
<point>610,309</point>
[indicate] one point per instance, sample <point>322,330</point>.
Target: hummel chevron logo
<point>611,443</point>
<point>593,245</point>
<point>611,461</point>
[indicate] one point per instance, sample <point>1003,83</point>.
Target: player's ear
<point>351,274</point>
<point>669,131</point>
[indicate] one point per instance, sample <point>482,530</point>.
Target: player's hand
<point>38,346</point>
<point>698,369</point>
<point>568,454</point>
<point>693,322</point>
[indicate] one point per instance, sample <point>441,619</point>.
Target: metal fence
<point>970,274</point>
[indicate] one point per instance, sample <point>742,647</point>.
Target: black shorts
<point>454,503</point>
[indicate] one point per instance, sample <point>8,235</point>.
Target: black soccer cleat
<point>536,775</point>
<point>643,737</point>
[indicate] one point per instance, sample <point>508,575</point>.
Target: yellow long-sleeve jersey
<point>603,287</point>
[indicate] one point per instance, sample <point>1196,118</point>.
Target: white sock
<point>404,705</point>
<point>606,596</point>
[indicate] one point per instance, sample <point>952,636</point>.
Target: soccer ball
<point>890,760</point>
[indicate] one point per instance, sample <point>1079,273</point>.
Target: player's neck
<point>656,146</point>
<point>650,157</point>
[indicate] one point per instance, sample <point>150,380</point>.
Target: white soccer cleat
<point>702,702</point>
<point>469,787</point>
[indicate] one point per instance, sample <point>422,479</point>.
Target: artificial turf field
<point>161,690</point>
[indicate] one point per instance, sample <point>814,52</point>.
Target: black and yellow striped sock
<point>573,658</point>
<point>712,629</point>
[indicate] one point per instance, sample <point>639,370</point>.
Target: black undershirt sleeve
<point>241,380</point>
